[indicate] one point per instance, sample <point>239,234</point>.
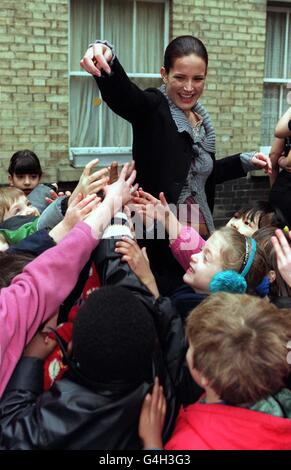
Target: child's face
<point>22,206</point>
<point>244,225</point>
<point>26,182</point>
<point>205,264</point>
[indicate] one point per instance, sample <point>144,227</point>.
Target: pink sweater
<point>36,294</point>
<point>187,244</point>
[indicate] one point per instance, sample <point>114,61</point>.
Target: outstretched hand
<point>151,207</point>
<point>152,418</point>
<point>262,162</point>
<point>97,59</point>
<point>138,261</point>
<point>283,252</point>
<point>90,183</point>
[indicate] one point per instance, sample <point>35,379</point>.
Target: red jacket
<point>222,427</point>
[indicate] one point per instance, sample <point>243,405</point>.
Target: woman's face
<point>204,265</point>
<point>185,81</point>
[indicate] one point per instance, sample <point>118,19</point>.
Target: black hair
<point>269,214</point>
<point>114,337</point>
<point>182,46</point>
<point>11,265</point>
<point>24,161</point>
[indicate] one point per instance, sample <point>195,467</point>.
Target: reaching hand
<point>79,208</point>
<point>152,418</point>
<point>262,162</point>
<point>122,189</point>
<point>41,346</point>
<point>138,261</point>
<point>151,207</point>
<point>96,59</point>
<point>91,183</point>
<point>283,252</point>
<point>113,172</point>
<point>55,195</point>
<point>284,163</point>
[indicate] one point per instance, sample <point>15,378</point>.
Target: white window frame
<point>80,156</point>
<point>285,82</point>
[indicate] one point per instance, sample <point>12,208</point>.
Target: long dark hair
<point>181,46</point>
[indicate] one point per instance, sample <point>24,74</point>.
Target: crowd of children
<point>94,357</point>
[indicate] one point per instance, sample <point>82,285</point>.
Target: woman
<point>173,138</point>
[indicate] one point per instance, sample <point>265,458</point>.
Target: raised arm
<point>36,293</point>
<point>275,153</point>
<point>117,90</point>
<point>283,128</point>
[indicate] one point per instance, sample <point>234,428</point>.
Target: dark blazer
<point>162,154</point>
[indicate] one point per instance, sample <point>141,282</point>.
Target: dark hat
<point>113,337</point>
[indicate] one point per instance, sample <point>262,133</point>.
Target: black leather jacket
<point>79,415</point>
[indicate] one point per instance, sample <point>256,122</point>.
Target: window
<point>139,32</point>
<point>277,81</point>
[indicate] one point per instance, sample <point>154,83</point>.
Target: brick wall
<point>34,81</point>
<point>235,194</point>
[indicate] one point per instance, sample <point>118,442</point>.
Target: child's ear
<point>10,180</point>
<point>204,381</point>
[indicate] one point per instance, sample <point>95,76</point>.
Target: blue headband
<point>232,281</point>
<point>249,256</point>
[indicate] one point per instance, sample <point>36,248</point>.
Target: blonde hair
<point>8,196</point>
<point>240,345</point>
<point>233,253</point>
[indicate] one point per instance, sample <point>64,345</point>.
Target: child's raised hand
<point>91,183</point>
<point>283,252</point>
<point>138,261</point>
<point>41,346</point>
<point>79,208</point>
<point>151,207</point>
<point>152,418</point>
<point>55,195</point>
<point>122,189</point>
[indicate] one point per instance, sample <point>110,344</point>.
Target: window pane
<point>270,113</point>
<point>84,112</point>
<point>118,27</point>
<point>144,83</point>
<point>150,37</point>
<point>275,41</point>
<point>116,132</point>
<point>84,28</point>
<point>144,52</point>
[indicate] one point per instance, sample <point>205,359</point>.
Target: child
<point>250,219</point>
<point>14,203</point>
<point>238,354</point>
<point>278,286</point>
<point>24,171</point>
<point>96,404</point>
<point>36,293</point>
<point>225,250</point>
